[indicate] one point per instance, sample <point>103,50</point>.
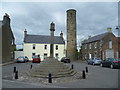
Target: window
<point>95,45</point>
<point>33,46</point>
<point>56,55</point>
<point>101,43</point>
<point>110,44</point>
<point>90,45</point>
<point>45,47</point>
<point>45,54</point>
<point>85,46</point>
<point>33,54</point>
<point>56,47</point>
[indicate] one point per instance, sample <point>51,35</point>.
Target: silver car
<point>94,61</point>
<point>22,59</point>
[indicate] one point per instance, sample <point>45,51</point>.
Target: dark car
<point>65,60</point>
<point>94,61</point>
<point>111,62</point>
<point>36,59</point>
<point>22,59</point>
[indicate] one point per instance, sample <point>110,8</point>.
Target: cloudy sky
<point>92,18</point>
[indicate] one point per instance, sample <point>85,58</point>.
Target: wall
<point>39,50</point>
<point>7,48</point>
<point>18,53</point>
<point>71,35</point>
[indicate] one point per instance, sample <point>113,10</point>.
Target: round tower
<point>71,34</point>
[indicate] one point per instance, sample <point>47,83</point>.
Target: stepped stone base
<point>53,66</point>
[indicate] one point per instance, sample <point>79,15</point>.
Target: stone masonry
<point>71,34</point>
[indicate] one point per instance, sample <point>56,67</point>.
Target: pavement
<point>6,63</point>
<point>97,77</point>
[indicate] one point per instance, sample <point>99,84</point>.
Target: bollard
<point>14,69</point>
<point>31,66</point>
<point>72,66</point>
<point>83,74</point>
<point>49,78</point>
<point>86,69</point>
<point>16,75</point>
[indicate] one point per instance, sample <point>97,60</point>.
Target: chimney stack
<point>6,19</point>
<point>61,34</point>
<point>25,33</point>
<point>109,30</point>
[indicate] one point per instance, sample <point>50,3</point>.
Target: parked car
<point>111,62</point>
<point>36,59</point>
<point>26,59</point>
<point>65,60</point>
<point>22,59</point>
<point>94,61</point>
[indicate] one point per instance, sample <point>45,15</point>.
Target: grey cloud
<point>92,18</point>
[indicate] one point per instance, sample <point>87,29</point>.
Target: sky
<point>92,18</point>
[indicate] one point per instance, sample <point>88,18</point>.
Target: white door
<point>110,53</point>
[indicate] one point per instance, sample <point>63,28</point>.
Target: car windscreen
<point>36,57</point>
<point>21,57</point>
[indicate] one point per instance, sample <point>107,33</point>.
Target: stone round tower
<point>71,34</point>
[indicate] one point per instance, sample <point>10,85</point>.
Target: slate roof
<point>96,38</point>
<point>43,39</point>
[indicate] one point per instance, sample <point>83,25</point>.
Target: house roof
<point>42,39</point>
<point>96,38</point>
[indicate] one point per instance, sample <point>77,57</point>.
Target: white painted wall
<point>18,53</point>
<point>39,50</point>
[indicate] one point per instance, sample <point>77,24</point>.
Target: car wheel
<point>111,66</point>
<point>93,63</point>
<point>101,65</point>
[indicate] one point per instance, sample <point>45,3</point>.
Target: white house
<point>40,45</point>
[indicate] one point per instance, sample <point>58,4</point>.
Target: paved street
<point>97,77</point>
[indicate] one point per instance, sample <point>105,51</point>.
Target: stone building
<point>102,46</point>
<point>40,45</point>
<point>7,44</point>
<point>71,51</point>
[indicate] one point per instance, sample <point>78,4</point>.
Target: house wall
<point>18,53</point>
<point>39,50</point>
<point>102,48</point>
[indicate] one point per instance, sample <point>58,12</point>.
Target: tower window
<point>70,14</point>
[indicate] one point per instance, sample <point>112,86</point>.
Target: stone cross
<point>52,29</point>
